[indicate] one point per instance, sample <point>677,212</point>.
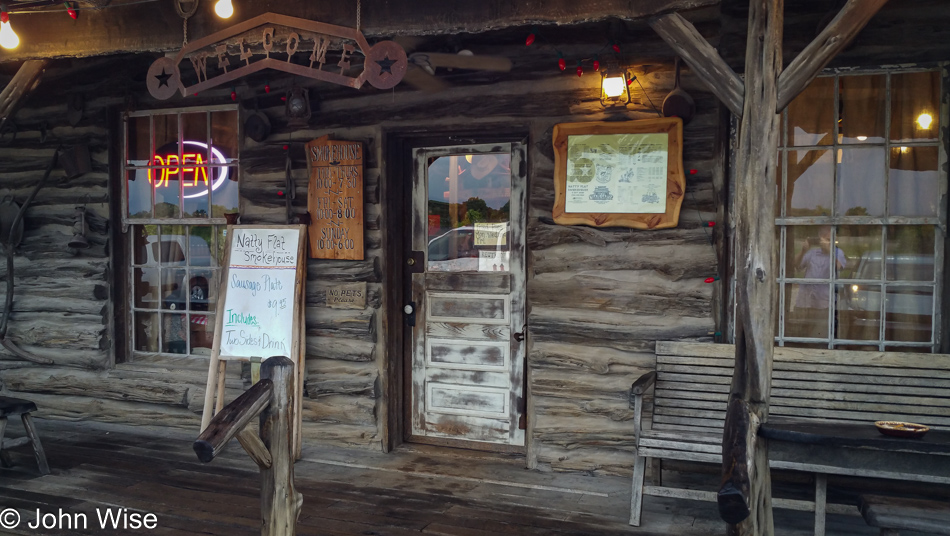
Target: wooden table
<point>827,448</point>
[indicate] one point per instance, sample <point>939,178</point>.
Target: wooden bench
<point>891,514</point>
<point>691,387</point>
<point>17,406</point>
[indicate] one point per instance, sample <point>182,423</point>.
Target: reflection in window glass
<point>910,253</point>
<point>862,276</point>
<point>469,211</point>
<point>908,312</point>
<point>862,101</point>
<point>915,105</point>
<point>912,187</point>
<point>811,115</point>
<point>860,182</point>
<point>811,179</point>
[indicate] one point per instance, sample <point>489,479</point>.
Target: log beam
<point>702,58</point>
<point>255,448</point>
<point>24,81</point>
<point>833,38</point>
<point>231,420</point>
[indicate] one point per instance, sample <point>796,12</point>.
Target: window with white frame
<point>859,213</point>
<point>181,178</point>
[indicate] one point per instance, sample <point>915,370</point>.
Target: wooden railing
<point>272,399</point>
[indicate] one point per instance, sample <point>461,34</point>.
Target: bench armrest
<point>636,391</point>
<point>643,383</point>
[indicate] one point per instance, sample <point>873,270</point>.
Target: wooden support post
<point>280,501</point>
<point>35,443</point>
<point>255,448</point>
<point>755,262</point>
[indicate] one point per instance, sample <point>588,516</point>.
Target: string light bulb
<point>224,9</point>
<point>8,38</point>
<point>72,12</point>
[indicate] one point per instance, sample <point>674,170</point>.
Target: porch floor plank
<point>417,490</point>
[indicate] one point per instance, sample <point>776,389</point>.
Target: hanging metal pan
<point>678,103</point>
<point>8,212</point>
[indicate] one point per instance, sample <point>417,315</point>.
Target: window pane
<point>912,188</point>
<point>201,288</point>
<point>174,334</point>
<point>166,132</point>
<point>145,332</point>
<point>220,244</point>
<point>202,334</point>
<point>915,99</point>
<point>859,312</point>
<point>194,127</point>
<point>469,210</point>
<point>167,191</point>
<point>139,141</point>
<point>808,253</point>
<point>862,252</point>
<point>915,349</point>
<point>142,238</point>
<point>140,193</point>
<point>806,310</point>
<point>811,114</point>
<point>145,287</point>
<point>810,183</point>
<point>224,193</point>
<point>910,253</point>
<point>862,101</point>
<point>860,182</point>
<point>908,314</point>
<point>224,136</point>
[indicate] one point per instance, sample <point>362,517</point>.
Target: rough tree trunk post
<point>755,266</point>
<point>280,501</point>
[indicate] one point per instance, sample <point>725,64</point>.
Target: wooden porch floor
<point>346,492</point>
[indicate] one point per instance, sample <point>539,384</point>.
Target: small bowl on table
<point>901,429</point>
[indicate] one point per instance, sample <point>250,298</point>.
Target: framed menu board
<point>619,174</point>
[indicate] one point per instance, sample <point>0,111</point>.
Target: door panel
<point>468,224</point>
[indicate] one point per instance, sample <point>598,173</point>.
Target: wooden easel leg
<point>5,460</point>
<point>301,376</point>
<point>35,441</point>
<point>207,412</point>
<point>222,374</point>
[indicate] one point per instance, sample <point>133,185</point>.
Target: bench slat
<point>857,388</point>
<point>678,428</point>
<point>784,366</point>
<point>903,513</point>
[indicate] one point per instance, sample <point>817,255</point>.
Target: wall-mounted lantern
<point>614,90</point>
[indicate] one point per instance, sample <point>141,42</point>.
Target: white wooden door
<point>468,291</point>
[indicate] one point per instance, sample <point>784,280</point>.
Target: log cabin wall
<point>598,299</point>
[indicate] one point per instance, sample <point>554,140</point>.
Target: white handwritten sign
<point>257,318</point>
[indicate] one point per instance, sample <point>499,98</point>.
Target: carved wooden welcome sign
<point>270,41</point>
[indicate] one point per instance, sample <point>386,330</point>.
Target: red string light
<point>580,69</point>
<point>710,224</point>
<point>233,94</point>
<point>529,40</point>
<point>72,12</point>
<point>693,172</point>
<point>712,279</point>
<point>561,62</point>
<point>266,88</point>
<point>616,47</point>
<point>596,64</point>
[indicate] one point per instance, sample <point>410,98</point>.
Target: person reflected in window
<point>812,303</point>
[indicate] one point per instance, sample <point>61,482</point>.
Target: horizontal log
<point>344,271</point>
<point>585,359</point>
<point>339,348</point>
<point>69,355</point>
<point>326,377</point>
<point>349,323</point>
<point>568,385</point>
<point>232,419</point>
<point>643,292</point>
<point>590,409</point>
<point>341,435</point>
<point>613,330</point>
<point>340,409</point>
<point>677,262</point>
<point>595,461</point>
<point>64,381</point>
<point>82,408</point>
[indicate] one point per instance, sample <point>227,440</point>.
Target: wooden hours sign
<point>335,199</point>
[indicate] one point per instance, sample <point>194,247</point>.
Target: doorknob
<point>520,336</point>
<point>410,311</point>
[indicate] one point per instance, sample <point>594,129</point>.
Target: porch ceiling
<point>154,26</point>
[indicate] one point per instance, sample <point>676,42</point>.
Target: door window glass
<point>469,213</point>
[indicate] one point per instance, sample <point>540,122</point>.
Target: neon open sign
<point>190,168</point>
